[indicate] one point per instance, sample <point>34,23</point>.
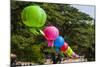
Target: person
<point>59,58</point>
<point>54,58</point>
<point>13,60</point>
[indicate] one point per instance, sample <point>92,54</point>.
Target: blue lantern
<point>59,42</point>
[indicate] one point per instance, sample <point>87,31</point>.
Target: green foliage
<point>37,54</point>
<point>76,27</point>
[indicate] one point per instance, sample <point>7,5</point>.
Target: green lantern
<point>33,16</point>
<point>35,31</point>
<point>69,52</point>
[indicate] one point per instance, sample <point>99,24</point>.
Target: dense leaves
<point>77,28</point>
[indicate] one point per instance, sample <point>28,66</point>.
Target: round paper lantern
<point>59,41</point>
<point>33,16</point>
<point>74,55</point>
<point>69,52</point>
<point>51,32</point>
<point>64,47</point>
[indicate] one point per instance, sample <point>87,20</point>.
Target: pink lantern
<point>75,55</point>
<point>51,33</point>
<point>50,43</point>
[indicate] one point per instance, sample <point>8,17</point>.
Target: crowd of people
<point>53,58</point>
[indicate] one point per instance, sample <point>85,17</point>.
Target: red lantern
<point>64,47</point>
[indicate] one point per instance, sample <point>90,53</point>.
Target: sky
<point>90,10</point>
